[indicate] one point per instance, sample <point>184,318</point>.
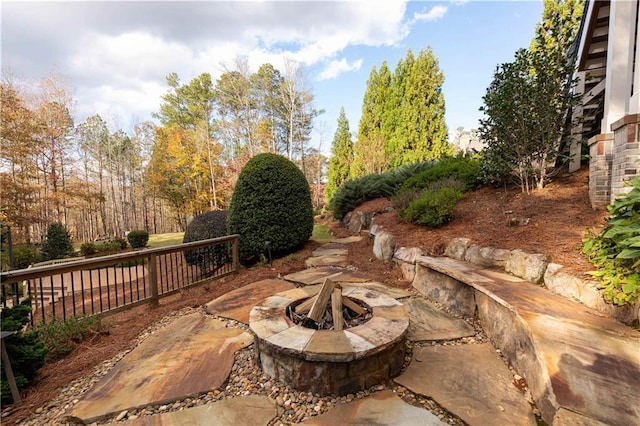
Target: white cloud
<point>336,68</point>
<point>118,54</point>
<point>435,13</point>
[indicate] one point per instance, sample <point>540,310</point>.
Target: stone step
<point>382,408</point>
<point>428,323</point>
<point>242,410</point>
<point>470,381</point>
<point>193,354</point>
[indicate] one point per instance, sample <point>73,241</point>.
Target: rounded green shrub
<point>138,238</point>
<point>271,203</point>
<point>57,244</point>
<point>203,227</point>
<point>466,169</point>
<point>434,207</point>
<point>88,248</point>
<point>25,255</point>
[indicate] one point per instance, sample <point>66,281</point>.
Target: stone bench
<point>581,367</point>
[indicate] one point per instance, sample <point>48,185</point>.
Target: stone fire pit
<point>330,361</point>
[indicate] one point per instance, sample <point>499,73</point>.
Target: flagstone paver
<point>328,260</point>
<point>383,408</point>
<point>317,275</point>
<point>193,354</point>
<point>428,323</point>
<point>470,381</point>
<point>243,410</point>
<point>347,240</point>
<point>330,249</point>
<point>396,293</point>
<point>238,303</point>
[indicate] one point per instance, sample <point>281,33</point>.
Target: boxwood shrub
<point>271,203</point>
<point>138,238</point>
<point>203,227</point>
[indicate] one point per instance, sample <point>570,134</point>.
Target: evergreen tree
<point>402,116</point>
<point>369,152</point>
<point>420,133</point>
<point>394,110</point>
<point>57,244</point>
<point>341,156</point>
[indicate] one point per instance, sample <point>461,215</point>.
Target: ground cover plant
<point>355,192</point>
<point>616,249</point>
<point>25,349</point>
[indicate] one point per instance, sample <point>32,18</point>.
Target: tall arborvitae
<point>341,156</point>
<point>369,152</point>
<point>402,116</point>
<point>423,130</point>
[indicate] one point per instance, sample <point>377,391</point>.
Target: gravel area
<point>246,378</point>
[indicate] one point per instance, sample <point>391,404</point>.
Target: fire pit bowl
<point>330,362</point>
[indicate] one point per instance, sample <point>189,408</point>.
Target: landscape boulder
<point>457,248</point>
<point>488,257</point>
<point>384,245</point>
<point>529,267</point>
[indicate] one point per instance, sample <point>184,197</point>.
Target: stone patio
<point>194,356</point>
<point>470,381</point>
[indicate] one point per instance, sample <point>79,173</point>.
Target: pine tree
<point>369,152</point>
<point>421,132</point>
<point>341,156</point>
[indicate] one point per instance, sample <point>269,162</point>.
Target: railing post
<point>236,254</point>
<point>153,279</point>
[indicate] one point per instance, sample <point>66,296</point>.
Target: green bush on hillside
<point>271,203</point>
<point>138,238</point>
<point>25,255</point>
<point>435,206</point>
<point>465,169</point>
<point>203,227</point>
<point>57,244</point>
<point>355,192</point>
<point>62,336</point>
<point>88,248</point>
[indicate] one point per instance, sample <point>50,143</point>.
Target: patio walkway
<point>451,364</point>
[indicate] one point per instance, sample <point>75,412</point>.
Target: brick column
<point>601,153</point>
<point>626,151</point>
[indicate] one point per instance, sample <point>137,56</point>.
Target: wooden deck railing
<point>111,283</point>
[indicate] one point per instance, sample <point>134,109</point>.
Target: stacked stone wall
<point>601,153</point>
<point>626,150</point>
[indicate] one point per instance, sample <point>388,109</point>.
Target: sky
<point>117,54</point>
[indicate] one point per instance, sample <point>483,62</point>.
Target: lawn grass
<point>164,240</point>
<point>321,233</point>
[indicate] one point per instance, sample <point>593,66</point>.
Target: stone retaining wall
<point>532,267</point>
